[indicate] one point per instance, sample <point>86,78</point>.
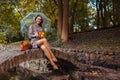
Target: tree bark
<point>105,20</point>
<point>64,36</point>
<point>118,10</point>
<point>114,12</point>
<point>102,13</point>
<point>60,17</point>
<point>98,13</point>
<point>72,20</point>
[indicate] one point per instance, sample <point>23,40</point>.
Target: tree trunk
<point>60,17</point>
<point>118,10</point>
<point>102,13</point>
<point>116,13</point>
<point>64,35</point>
<point>105,20</point>
<point>98,13</point>
<point>72,20</point>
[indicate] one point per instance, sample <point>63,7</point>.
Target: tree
<point>64,35</point>
<point>107,13</point>
<point>60,17</point>
<point>117,7</point>
<point>63,19</point>
<point>73,15</point>
<point>64,14</point>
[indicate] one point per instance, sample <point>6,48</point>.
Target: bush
<point>2,37</point>
<point>51,35</point>
<point>10,35</point>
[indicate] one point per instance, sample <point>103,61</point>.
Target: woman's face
<point>38,20</point>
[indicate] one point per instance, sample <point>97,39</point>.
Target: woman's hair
<point>41,20</point>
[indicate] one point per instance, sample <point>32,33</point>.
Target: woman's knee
<point>39,42</point>
<point>44,39</point>
<point>42,47</point>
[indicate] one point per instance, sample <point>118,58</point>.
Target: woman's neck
<point>37,25</point>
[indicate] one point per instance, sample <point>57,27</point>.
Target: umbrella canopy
<point>30,19</point>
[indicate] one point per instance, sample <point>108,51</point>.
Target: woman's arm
<point>31,32</point>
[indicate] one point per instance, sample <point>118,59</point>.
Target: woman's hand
<point>36,34</point>
<point>41,34</point>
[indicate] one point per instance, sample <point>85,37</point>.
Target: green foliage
<point>51,35</point>
<point>49,8</point>
<point>9,34</point>
<point>53,38</point>
<point>2,37</point>
<point>85,15</point>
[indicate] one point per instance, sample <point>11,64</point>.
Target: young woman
<point>41,42</point>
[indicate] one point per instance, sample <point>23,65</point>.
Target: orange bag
<point>24,45</point>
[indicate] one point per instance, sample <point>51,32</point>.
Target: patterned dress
<point>34,28</point>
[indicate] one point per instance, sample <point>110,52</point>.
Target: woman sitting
<point>36,34</point>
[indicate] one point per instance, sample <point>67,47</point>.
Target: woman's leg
<point>49,48</point>
<point>46,52</point>
<point>45,42</point>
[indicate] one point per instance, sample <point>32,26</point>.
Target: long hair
<point>41,20</point>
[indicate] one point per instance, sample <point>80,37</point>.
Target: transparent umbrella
<point>29,19</point>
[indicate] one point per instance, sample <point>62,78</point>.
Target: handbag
<point>24,45</point>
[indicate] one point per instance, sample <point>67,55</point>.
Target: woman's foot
<point>54,59</point>
<point>55,67</point>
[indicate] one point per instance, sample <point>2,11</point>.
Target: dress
<point>34,28</point>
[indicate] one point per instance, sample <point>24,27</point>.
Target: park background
<point>83,25</point>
